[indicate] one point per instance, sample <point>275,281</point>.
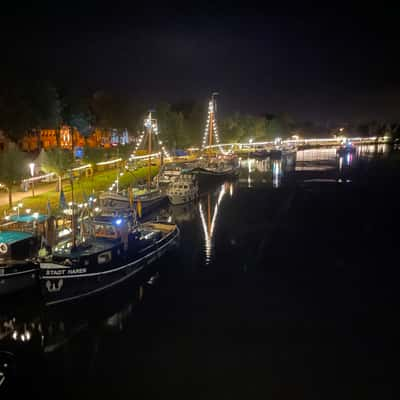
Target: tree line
<point>31,106</point>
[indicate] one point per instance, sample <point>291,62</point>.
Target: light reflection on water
<point>48,335</point>
<point>208,211</point>
<point>276,173</point>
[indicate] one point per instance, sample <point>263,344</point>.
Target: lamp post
<point>17,207</point>
<point>32,170</point>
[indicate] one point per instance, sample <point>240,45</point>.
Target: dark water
<point>285,286</point>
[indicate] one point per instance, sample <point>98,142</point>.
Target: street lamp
<point>32,170</point>
<point>17,207</point>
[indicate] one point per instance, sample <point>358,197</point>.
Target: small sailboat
<point>183,190</point>
<point>149,197</point>
<point>219,167</point>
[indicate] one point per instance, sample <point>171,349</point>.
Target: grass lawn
<point>83,187</point>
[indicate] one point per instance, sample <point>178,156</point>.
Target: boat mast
<point>73,218</point>
<point>149,161</point>
<point>212,125</point>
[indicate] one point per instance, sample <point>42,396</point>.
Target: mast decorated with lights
<point>211,129</point>
<point>150,127</point>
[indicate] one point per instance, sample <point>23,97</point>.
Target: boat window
<point>104,258</point>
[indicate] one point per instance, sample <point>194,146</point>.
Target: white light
<point>28,210</point>
<point>32,168</point>
<point>35,215</point>
<point>109,162</point>
<point>82,167</point>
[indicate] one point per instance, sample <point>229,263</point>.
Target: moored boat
<point>171,172</point>
<point>346,148</point>
<point>259,154</point>
<point>183,190</point>
<point>119,250</point>
<point>216,169</point>
<point>19,246</point>
<point>111,202</point>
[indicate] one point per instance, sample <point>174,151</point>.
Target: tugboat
<point>346,147</point>
<point>183,190</point>
<point>19,246</point>
<point>118,250</point>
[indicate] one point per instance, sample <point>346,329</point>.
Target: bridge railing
<point>316,141</point>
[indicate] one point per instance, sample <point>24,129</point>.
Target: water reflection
<point>31,336</point>
<point>184,212</point>
<point>208,210</point>
<point>266,171</point>
<point>276,173</point>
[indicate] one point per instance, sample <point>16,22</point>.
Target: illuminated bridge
<point>250,145</point>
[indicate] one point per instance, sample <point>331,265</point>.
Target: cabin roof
<point>27,218</point>
<point>10,237</point>
<point>109,220</point>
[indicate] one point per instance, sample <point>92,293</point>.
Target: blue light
<point>118,221</point>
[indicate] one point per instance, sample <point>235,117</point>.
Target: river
<point>284,286</point>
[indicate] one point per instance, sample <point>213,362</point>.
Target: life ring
<point>3,248</point>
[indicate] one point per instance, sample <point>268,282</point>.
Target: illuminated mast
<point>211,129</point>
<point>151,125</point>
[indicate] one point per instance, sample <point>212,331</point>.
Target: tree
<point>13,167</point>
<point>59,162</point>
<point>94,155</point>
<point>27,105</point>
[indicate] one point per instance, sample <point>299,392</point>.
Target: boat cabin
<point>20,236</point>
<point>108,227</point>
<point>17,245</point>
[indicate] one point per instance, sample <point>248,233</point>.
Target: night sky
<point>322,65</point>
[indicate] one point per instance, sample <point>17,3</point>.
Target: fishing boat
<point>20,240</point>
<point>120,249</point>
<point>183,190</point>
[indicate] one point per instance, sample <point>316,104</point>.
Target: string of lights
<point>211,118</point>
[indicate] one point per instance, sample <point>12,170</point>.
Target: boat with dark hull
<point>111,202</point>
<point>279,153</point>
<point>120,250</point>
<point>260,154</point>
<point>216,170</point>
<point>19,246</point>
<point>216,173</point>
<point>346,148</point>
